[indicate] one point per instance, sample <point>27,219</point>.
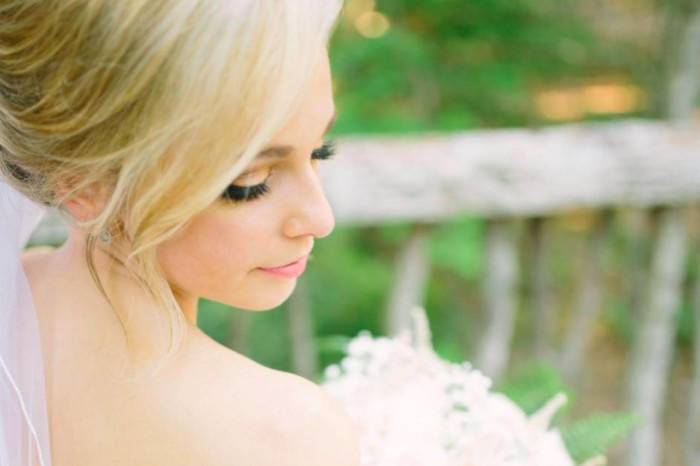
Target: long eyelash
<point>325,152</point>
<point>235,193</point>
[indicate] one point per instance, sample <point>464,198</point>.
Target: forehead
<point>316,107</point>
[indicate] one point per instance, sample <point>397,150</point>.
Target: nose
<point>310,211</point>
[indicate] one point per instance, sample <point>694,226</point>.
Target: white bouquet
<point>413,408</point>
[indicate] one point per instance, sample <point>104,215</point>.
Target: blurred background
<point>527,171</point>
<point>572,298</point>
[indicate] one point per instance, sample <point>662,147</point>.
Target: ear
<point>85,204</point>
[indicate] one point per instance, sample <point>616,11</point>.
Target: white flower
<point>414,409</point>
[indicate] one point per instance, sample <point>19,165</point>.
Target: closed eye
<point>236,193</point>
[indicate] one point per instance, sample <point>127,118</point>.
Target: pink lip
<point>292,270</point>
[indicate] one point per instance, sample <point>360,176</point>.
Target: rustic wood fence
<point>530,176</point>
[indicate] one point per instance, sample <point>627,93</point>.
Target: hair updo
<point>162,103</point>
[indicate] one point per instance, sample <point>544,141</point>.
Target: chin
<point>264,301</point>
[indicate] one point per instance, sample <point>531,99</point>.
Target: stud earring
<point>105,236</point>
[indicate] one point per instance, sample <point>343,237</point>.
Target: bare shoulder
<point>318,425</point>
<point>269,417</point>
<point>35,258</point>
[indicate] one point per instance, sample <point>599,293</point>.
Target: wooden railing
<point>511,176</point>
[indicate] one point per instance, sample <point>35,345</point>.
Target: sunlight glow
<point>574,103</point>
<point>372,24</point>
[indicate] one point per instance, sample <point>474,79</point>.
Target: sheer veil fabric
<point>24,427</point>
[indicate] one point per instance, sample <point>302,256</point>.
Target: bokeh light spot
<point>372,24</point>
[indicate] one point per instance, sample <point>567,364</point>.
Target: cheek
<point>213,253</point>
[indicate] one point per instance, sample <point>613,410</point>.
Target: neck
<point>136,319</point>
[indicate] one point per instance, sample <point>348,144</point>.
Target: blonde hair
<point>164,102</point>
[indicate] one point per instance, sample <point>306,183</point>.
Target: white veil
<point>24,427</point>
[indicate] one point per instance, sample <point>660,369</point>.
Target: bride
<point>181,141</point>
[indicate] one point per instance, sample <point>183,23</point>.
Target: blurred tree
<point>451,65</point>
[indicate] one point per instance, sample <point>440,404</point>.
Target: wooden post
<point>500,296</point>
<point>541,296</point>
<point>410,280</point>
<point>684,83</point>
<point>653,349</point>
<point>301,332</point>
<point>588,301</point>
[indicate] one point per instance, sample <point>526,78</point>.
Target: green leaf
<point>596,434</point>
<point>333,344</point>
<point>533,386</point>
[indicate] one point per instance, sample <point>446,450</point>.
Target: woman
<point>181,141</point>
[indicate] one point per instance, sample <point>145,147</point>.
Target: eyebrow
<point>282,151</point>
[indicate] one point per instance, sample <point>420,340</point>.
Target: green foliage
<point>457,246</point>
<point>685,324</point>
<point>453,65</point>
<point>687,313</point>
<point>618,317</point>
<point>348,279</point>
<point>596,434</point>
<point>214,318</point>
<point>532,386</point>
<point>333,344</point>
<point>449,350</point>
<point>268,332</point>
<point>268,338</point>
